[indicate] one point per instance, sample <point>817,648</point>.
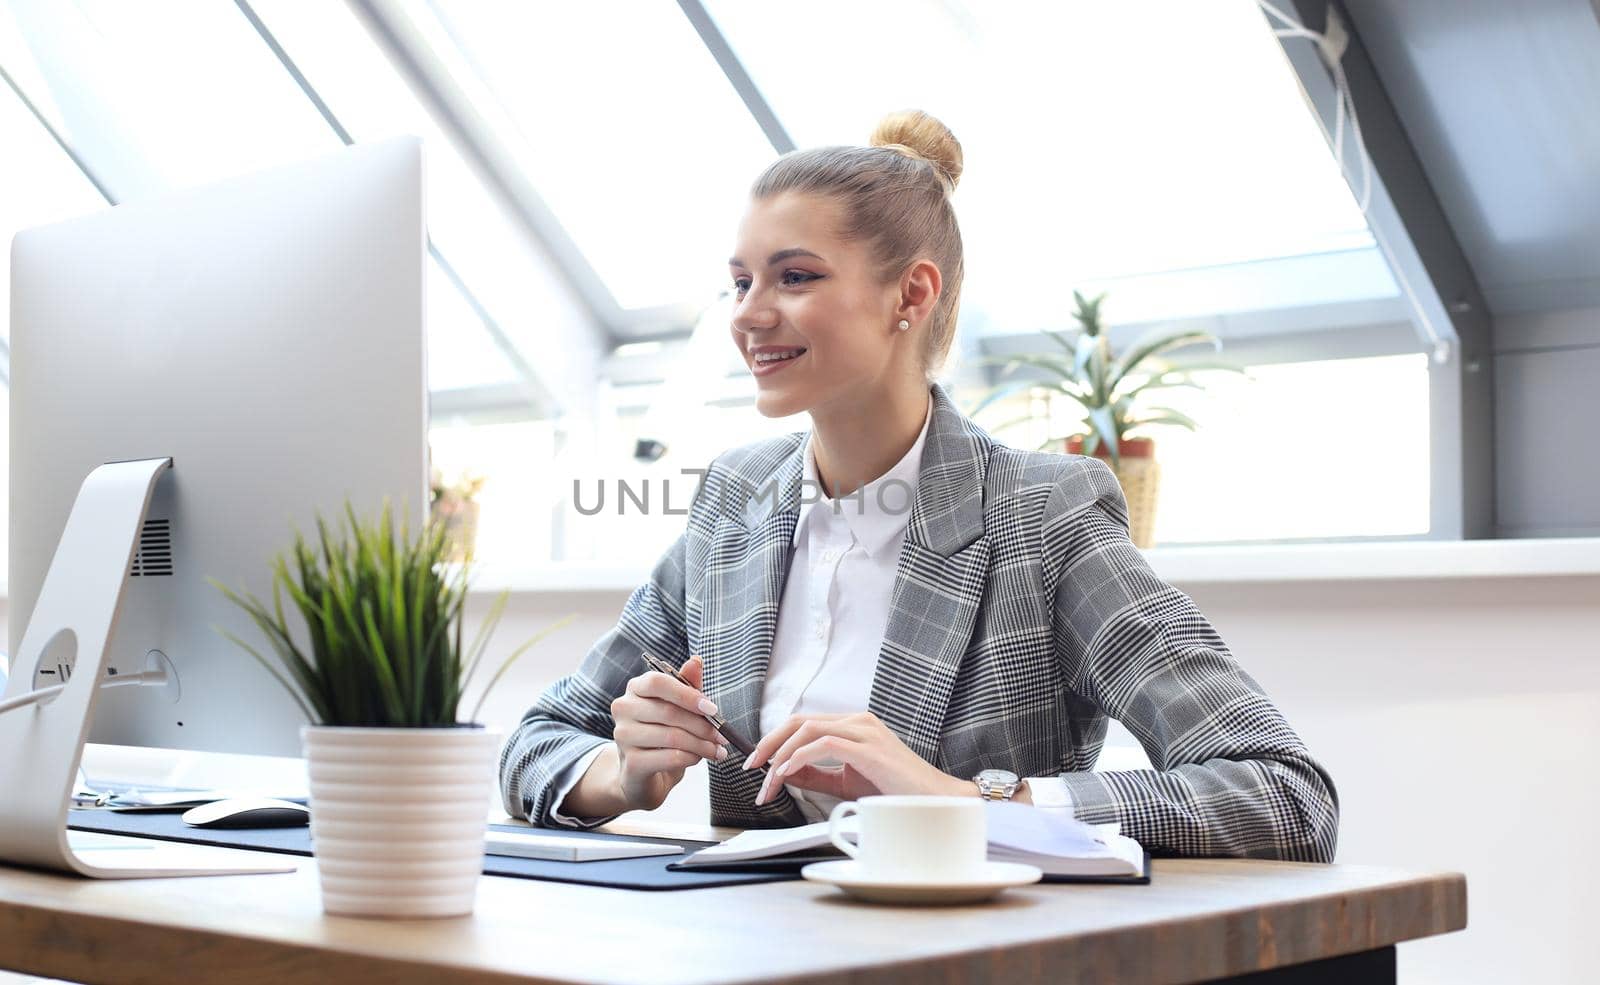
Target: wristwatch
<point>997,784</point>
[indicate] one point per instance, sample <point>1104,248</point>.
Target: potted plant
<point>1112,391</point>
<point>400,785</point>
<point>454,504</point>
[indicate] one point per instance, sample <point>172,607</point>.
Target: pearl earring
<point>904,325</point>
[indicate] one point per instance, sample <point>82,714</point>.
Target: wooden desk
<point>1199,920</point>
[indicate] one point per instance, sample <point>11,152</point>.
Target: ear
<point>919,292</point>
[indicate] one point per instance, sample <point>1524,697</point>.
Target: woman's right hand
<point>660,732</point>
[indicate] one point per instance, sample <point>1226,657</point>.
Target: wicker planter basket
<point>1139,474</point>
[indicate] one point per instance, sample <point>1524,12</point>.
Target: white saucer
<point>995,876</point>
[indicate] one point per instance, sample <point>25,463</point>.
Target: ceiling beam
<point>754,101</point>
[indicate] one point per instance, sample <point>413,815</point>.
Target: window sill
<point>1381,561</point>
<point>1566,557</point>
<point>1402,560</point>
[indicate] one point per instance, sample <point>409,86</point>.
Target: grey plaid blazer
<point>1022,617</point>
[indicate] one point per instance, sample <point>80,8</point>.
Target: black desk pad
<point>624,873</point>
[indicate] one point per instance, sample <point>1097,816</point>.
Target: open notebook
<point>1060,846</point>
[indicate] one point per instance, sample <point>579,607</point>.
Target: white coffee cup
<point>915,838</point>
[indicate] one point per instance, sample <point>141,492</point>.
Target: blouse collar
<point>878,512</point>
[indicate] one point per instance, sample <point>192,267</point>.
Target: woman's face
<point>798,289</point>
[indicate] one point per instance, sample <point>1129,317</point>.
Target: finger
<point>657,712</point>
<point>693,671</point>
<point>658,685</point>
<point>642,736</point>
<point>836,750</point>
<point>774,740</point>
<point>830,782</point>
<point>806,736</point>
<point>814,727</point>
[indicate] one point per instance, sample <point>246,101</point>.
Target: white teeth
<point>772,357</point>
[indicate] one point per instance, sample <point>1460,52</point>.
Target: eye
<point>790,278</point>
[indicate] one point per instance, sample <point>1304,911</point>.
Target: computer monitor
<point>267,334</point>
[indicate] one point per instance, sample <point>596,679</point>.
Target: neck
<point>859,442</point>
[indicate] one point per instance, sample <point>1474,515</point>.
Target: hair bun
<point>916,133</point>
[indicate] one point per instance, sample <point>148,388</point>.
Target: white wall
<point>1458,718</point>
<point>1459,721</point>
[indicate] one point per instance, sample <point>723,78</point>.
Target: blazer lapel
<point>744,587</point>
<point>939,584</point>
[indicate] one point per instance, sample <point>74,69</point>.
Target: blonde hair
<point>895,196</point>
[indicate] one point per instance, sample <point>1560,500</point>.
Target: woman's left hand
<point>873,759</point>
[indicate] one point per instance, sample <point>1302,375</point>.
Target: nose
<point>753,314</point>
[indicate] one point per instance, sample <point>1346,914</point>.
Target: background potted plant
<point>1113,392</point>
<point>400,786</point>
<point>454,505</point>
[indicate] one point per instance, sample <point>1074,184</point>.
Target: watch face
<point>999,777</point>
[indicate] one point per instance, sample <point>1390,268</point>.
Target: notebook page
<point>1023,828</point>
<point>764,842</point>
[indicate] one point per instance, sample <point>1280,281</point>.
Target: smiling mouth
<point>768,359</point>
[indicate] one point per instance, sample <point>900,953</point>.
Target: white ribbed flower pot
<point>398,817</point>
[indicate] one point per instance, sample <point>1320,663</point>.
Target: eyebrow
<point>793,251</point>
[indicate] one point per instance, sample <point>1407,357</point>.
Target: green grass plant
<point>382,609</point>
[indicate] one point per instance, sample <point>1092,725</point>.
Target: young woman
<point>894,602</point>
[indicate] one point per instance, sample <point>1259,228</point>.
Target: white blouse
<point>834,611</point>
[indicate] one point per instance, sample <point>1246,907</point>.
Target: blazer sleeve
<point>1230,776</point>
<point>573,715</point>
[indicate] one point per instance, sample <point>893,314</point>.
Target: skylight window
<point>1103,140</point>
<point>633,136</point>
<point>42,185</point>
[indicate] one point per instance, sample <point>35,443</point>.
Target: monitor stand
<point>42,744</point>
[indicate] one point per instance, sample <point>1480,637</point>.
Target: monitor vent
<point>154,554</point>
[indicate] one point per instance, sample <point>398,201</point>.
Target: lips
<point>772,360</point>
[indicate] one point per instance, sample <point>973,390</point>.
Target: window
<point>1161,152</point>
<point>514,305</point>
<point>582,496</point>
<point>632,135</point>
<point>118,82</point>
<point>1326,449</point>
<point>42,185</point>
<point>1103,141</point>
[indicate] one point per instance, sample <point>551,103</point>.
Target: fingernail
<point>722,753</point>
<point>706,707</point>
<point>784,769</point>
